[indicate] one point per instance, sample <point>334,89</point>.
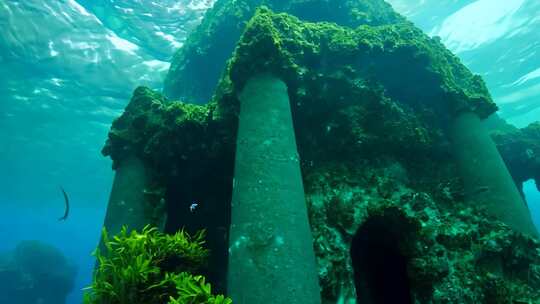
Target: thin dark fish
<point>66,199</point>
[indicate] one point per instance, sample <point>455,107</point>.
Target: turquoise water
<point>75,238</point>
<point>533,199</point>
<point>62,85</point>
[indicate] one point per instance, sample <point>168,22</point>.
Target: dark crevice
<point>212,192</point>
<point>380,269</point>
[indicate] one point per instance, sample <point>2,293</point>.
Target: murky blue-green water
<point>67,69</point>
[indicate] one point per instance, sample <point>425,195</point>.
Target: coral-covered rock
<point>35,272</point>
<point>453,253</point>
<point>355,93</point>
<point>197,66</point>
<point>166,134</point>
<point>397,59</point>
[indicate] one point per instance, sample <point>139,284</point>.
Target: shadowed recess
<point>380,270</point>
<point>211,214</point>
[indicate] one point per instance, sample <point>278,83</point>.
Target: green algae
<point>151,267</point>
<point>341,81</point>
<point>163,132</point>
<point>197,66</point>
<point>408,64</point>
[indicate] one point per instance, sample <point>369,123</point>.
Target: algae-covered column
<point>129,203</point>
<point>487,180</point>
<point>271,258</point>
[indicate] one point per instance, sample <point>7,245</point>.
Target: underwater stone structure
<point>373,109</point>
<point>198,65</point>
<point>133,201</point>
<point>520,149</point>
<point>127,203</point>
<point>271,247</point>
<point>485,175</point>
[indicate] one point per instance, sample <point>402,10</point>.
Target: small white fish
<point>193,206</point>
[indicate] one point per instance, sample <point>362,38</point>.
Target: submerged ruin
<point>334,151</point>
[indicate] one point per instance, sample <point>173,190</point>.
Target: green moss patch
<point>197,66</point>
<point>407,64</point>
<point>167,135</point>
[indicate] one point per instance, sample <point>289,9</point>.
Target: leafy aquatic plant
<point>193,289</point>
<point>151,267</point>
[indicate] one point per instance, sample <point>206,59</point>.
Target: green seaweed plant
<point>151,267</point>
<point>193,289</point>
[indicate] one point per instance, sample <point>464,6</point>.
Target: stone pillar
<point>487,180</point>
<point>129,204</point>
<point>271,257</point>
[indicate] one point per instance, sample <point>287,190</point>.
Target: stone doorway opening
<point>380,268</point>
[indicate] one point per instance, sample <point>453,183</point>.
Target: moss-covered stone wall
<point>370,107</point>
<point>455,253</point>
<point>398,59</point>
<point>190,152</point>
<point>198,65</point>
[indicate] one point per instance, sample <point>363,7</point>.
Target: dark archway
<point>380,269</point>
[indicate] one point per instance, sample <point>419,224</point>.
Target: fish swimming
<point>193,206</point>
<point>66,199</point>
